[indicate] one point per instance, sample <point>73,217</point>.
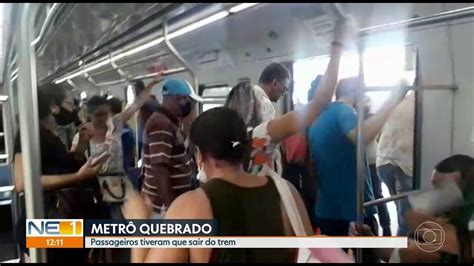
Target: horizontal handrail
<point>389,199</point>
<point>146,76</point>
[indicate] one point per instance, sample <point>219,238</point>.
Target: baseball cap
<point>179,87</point>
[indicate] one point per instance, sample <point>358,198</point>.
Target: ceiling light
<point>198,24</point>
<point>83,95</point>
<point>138,49</point>
<point>241,7</point>
<point>80,72</point>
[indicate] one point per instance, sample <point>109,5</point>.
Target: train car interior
<point>103,49</point>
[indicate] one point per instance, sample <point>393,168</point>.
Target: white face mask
<point>201,175</point>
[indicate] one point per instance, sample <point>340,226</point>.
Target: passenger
<point>144,113</point>
<point>332,139</point>
<point>70,189</point>
<point>67,117</point>
<point>458,244</point>
<point>273,83</point>
<point>243,204</point>
<point>384,216</point>
<point>51,151</point>
<point>266,134</point>
<point>128,138</point>
<point>395,156</point>
<point>166,165</point>
<point>107,132</point>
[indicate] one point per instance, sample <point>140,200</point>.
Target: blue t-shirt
<point>335,157</point>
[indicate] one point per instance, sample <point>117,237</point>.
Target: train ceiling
<point>263,31</point>
<point>272,28</point>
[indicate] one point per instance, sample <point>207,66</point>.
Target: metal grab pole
<point>88,77</point>
<point>146,76</point>
<point>176,53</point>
<point>418,127</point>
<point>336,7</point>
<point>73,85</point>
<point>29,124</point>
<point>51,14</point>
<point>421,21</point>
<point>361,165</point>
<point>187,120</point>
<point>134,62</point>
<point>121,72</point>
<point>393,198</point>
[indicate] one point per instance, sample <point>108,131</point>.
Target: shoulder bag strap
<point>288,200</point>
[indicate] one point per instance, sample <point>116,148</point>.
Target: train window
<point>396,66</point>
<point>216,92</point>
<point>214,96</point>
<point>208,106</point>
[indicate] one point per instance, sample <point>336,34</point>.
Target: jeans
<point>397,182</point>
<point>384,216</point>
<point>299,176</point>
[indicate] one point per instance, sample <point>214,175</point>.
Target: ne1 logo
<point>54,227</point>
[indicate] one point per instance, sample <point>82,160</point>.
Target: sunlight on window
<point>305,71</point>
<point>208,106</point>
<point>383,66</point>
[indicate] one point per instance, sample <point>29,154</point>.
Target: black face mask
<point>186,110</point>
<point>65,117</point>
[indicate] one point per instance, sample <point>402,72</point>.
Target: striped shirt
<point>166,169</point>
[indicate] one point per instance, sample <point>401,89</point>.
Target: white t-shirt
<point>268,113</point>
<point>372,152</point>
<point>266,107</point>
<point>396,141</point>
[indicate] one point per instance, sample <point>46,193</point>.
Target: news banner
<point>78,233</point>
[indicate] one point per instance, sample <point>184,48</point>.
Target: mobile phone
<point>100,158</point>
